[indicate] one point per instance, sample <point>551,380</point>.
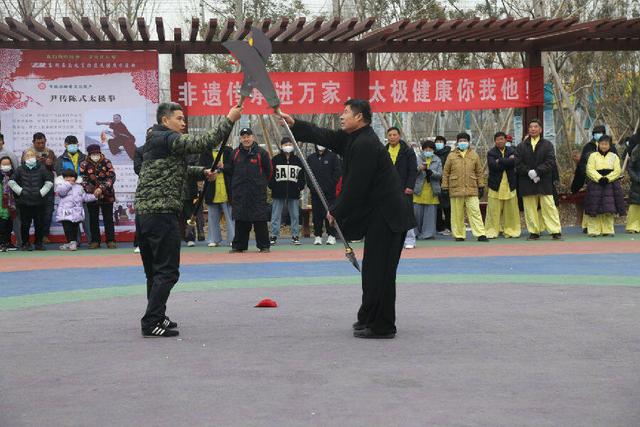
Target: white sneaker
<point>191,243</point>
<point>64,247</point>
<point>331,240</point>
<point>137,250</point>
<point>213,245</point>
<point>409,246</point>
<point>318,240</point>
<point>73,246</point>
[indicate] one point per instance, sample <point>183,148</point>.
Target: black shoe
<point>483,239</point>
<point>459,239</point>
<point>40,247</point>
<point>236,251</point>
<point>295,240</point>
<point>11,247</point>
<point>168,324</point>
<point>159,332</point>
<point>368,333</point>
<point>359,326</point>
<point>533,236</point>
<point>273,240</point>
<point>3,248</point>
<point>264,250</point>
<point>584,231</point>
<point>556,236</point>
<point>26,247</point>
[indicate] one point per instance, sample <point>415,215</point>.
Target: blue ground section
<point>34,282</point>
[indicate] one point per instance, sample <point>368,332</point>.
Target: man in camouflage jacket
<point>158,203</point>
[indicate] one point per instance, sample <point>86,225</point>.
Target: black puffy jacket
<point>250,171</point>
<point>327,168</point>
<point>287,179</point>
<point>503,164</point>
<point>31,181</point>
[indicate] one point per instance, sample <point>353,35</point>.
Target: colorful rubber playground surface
<point>503,333</point>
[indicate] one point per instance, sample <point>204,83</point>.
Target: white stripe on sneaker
<point>154,330</point>
<point>165,323</point>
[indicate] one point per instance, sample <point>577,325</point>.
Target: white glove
<point>536,180</point>
<point>532,174</point>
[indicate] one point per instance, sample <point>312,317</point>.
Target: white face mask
<point>321,148</point>
<point>5,168</point>
<point>287,148</point>
<point>95,157</point>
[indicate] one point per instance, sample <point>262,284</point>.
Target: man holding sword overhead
<point>370,205</point>
<point>158,203</point>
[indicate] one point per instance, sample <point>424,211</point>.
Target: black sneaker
<point>295,240</point>
<point>264,250</point>
<point>11,247</point>
<point>159,332</point>
<point>533,236</point>
<point>459,239</point>
<point>168,324</point>
<point>483,239</point>
<point>357,326</point>
<point>556,236</point>
<point>40,247</point>
<point>236,251</point>
<point>26,247</point>
<point>273,240</point>
<point>3,248</point>
<point>368,333</point>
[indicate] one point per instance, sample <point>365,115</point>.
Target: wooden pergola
<point>319,35</point>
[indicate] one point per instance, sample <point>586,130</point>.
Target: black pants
<point>443,218</point>
<point>320,217</point>
<point>188,232</point>
<point>159,240</point>
<point>71,230</point>
<point>48,213</point>
<point>29,214</point>
<point>382,249</point>
<point>6,226</point>
<point>243,228</point>
<point>107,218</point>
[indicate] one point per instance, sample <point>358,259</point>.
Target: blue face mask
<point>31,163</point>
<point>439,145</point>
<point>427,154</point>
<point>72,148</point>
<point>597,136</point>
<point>463,146</point>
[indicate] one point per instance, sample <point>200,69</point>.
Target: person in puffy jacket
<point>31,183</point>
<point>426,191</point>
<point>70,211</point>
<point>286,183</point>
<point>327,168</point>
<point>633,215</point>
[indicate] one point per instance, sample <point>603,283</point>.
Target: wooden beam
<point>5,31</point>
<point>506,26</point>
<point>242,32</point>
<point>431,31</point>
<point>195,27</point>
<point>20,28</point>
<point>361,27</point>
<point>292,29</point>
<point>160,29</point>
<point>123,23</point>
<point>231,23</point>
<point>143,30</point>
<point>177,37</point>
<point>426,28</point>
<point>75,29</point>
<point>266,23</point>
<point>39,29</point>
<point>108,29</point>
<point>380,37</point>
<point>91,29</point>
<point>308,29</point>
<point>57,29</point>
<point>211,30</point>
<point>342,29</point>
<point>482,27</point>
<point>460,26</point>
<point>278,29</point>
<point>325,29</point>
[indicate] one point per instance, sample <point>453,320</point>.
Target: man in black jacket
<point>286,183</point>
<point>406,163</point>
<point>371,205</point>
<point>443,215</point>
<point>327,168</point>
<point>250,171</point>
<point>502,198</point>
<point>535,165</point>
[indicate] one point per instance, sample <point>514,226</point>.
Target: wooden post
<point>360,75</point>
<point>533,60</point>
<point>178,76</point>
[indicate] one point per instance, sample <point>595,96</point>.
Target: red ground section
<point>104,259</point>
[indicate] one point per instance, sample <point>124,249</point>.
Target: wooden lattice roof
<point>329,35</point>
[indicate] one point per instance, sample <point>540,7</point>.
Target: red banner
<point>204,94</point>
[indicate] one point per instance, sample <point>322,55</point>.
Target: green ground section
<point>36,300</point>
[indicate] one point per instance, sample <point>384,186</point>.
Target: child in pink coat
<point>70,212</point>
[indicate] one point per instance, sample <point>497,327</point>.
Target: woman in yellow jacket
<point>463,180</point>
<point>604,192</point>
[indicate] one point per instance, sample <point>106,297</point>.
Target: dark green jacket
<point>165,169</point>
